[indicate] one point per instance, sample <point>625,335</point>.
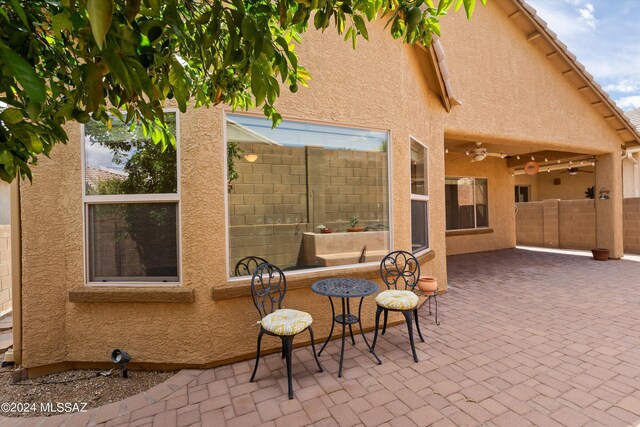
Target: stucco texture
<point>501,204</point>
<point>5,268</point>
<point>571,187</point>
<point>510,93</point>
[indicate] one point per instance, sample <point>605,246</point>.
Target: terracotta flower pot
<point>600,254</point>
<point>428,284</point>
<point>355,229</point>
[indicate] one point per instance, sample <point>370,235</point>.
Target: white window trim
<point>230,278</point>
<point>422,197</point>
<point>475,213</point>
<point>131,198</point>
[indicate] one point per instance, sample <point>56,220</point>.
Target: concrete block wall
<point>291,190</point>
<point>577,224</point>
<point>5,267</point>
<point>567,224</point>
<point>529,224</point>
<point>631,225</point>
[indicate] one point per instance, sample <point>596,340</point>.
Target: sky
<point>605,36</point>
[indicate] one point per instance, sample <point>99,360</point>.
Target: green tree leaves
<point>100,14</point>
<point>24,74</point>
<point>72,60</point>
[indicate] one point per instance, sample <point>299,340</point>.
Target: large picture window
<point>131,197</point>
<point>467,203</point>
<point>419,197</point>
<point>305,195</point>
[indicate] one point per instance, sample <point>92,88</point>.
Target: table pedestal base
<point>346,318</point>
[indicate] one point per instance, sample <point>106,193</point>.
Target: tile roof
<point>634,116</point>
<point>93,175</point>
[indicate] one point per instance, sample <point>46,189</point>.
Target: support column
<point>16,270</point>
<point>636,174</point>
<point>609,212</point>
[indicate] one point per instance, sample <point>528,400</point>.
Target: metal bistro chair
<point>247,265</point>
<point>401,271</point>
<point>268,287</point>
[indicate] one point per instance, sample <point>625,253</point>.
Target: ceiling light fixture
<point>250,157</point>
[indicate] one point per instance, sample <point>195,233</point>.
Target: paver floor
<point>527,338</point>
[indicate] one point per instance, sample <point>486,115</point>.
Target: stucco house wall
<point>571,187</point>
<point>501,232</point>
<point>380,85</point>
<point>5,248</point>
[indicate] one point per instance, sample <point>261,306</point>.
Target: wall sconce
<point>251,157</point>
<point>604,193</point>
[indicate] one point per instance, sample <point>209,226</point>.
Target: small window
<point>466,203</point>
<point>131,205</point>
<point>419,197</point>
<point>522,193</point>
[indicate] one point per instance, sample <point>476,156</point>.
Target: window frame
<point>528,187</point>
<point>131,198</point>
<point>421,197</point>
<point>475,212</point>
<point>226,112</point>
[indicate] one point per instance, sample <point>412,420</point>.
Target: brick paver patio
<point>527,338</point>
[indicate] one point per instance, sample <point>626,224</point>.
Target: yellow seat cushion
<point>397,300</point>
<point>286,321</point>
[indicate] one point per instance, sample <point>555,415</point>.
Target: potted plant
<point>324,229</point>
<point>428,284</point>
<point>354,220</point>
<point>600,254</point>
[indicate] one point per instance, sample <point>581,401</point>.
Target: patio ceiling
<point>457,150</point>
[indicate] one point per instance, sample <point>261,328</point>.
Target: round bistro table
<point>346,288</point>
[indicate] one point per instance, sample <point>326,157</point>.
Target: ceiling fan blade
<point>495,154</point>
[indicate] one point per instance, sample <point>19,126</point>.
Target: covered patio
<point>527,338</point>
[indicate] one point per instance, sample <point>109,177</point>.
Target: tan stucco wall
<point>501,205</point>
<point>571,187</point>
<point>5,268</point>
<point>208,331</point>
<point>631,175</point>
<point>380,85</point>
<point>512,93</point>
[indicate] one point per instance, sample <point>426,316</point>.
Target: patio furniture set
<point>399,270</point>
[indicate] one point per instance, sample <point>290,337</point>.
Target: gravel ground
<point>74,387</point>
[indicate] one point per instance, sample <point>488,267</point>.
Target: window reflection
<point>296,190</point>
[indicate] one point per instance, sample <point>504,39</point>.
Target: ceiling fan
<point>575,171</point>
<point>479,153</point>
